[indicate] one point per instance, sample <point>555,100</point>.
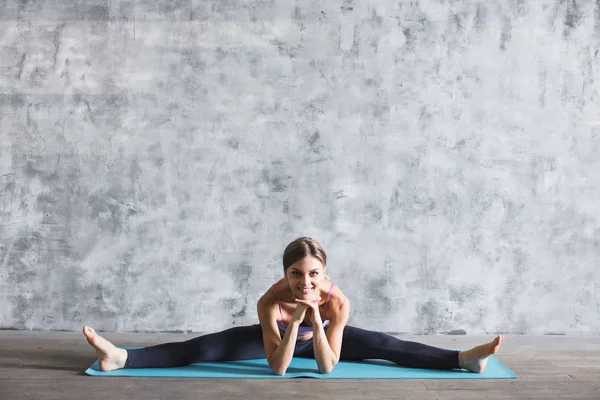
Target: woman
<point>302,315</point>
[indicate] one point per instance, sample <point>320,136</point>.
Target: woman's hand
<point>311,306</point>
<point>300,313</point>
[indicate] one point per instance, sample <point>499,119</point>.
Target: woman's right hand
<point>301,308</point>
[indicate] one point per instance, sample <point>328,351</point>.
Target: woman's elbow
<point>328,367</point>
<point>326,370</point>
<point>277,369</point>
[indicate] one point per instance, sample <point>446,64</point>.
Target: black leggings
<point>245,343</point>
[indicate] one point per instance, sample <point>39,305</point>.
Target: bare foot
<point>475,359</point>
<point>109,356</point>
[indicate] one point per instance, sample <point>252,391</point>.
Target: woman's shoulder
<point>337,299</point>
<point>269,297</point>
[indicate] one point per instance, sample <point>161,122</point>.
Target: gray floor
<point>50,365</point>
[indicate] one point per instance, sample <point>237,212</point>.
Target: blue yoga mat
<point>307,368</point>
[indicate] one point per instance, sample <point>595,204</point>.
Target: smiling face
<point>305,276</point>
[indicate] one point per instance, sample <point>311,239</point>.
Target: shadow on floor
<point>47,359</point>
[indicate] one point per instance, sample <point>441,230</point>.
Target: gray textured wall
<point>156,158</point>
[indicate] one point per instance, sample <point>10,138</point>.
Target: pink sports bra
<point>302,330</point>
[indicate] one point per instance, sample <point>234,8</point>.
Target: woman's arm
<point>282,356</point>
<point>327,347</point>
<point>279,351</point>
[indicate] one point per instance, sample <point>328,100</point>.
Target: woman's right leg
<point>240,343</point>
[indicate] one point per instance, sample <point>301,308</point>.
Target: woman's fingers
<point>317,299</point>
<point>307,302</point>
<point>310,303</point>
<point>300,312</point>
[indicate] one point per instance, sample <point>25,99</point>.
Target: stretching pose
<point>302,315</point>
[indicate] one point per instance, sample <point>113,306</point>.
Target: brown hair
<point>300,248</point>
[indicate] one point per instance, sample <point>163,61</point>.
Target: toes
<point>90,335</point>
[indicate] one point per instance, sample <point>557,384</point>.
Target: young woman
<point>302,315</point>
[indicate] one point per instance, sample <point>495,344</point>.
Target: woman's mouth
<point>305,290</point>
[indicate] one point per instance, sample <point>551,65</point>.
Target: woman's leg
<point>361,344</point>
<point>240,343</point>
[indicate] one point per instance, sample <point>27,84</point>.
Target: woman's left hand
<point>313,308</point>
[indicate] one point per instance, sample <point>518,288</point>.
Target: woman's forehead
<point>307,264</point>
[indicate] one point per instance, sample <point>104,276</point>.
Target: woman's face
<point>305,276</point>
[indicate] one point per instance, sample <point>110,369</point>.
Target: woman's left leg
<point>361,344</point>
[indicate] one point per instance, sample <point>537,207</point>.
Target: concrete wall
<point>155,159</point>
